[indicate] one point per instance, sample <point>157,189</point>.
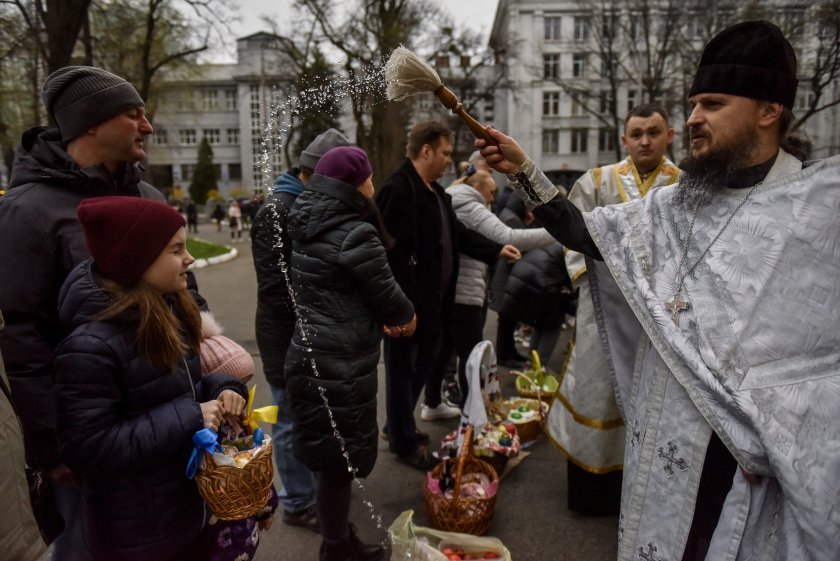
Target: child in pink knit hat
<point>230,540</point>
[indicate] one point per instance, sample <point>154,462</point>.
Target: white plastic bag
<point>418,543</point>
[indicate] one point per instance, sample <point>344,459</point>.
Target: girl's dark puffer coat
<point>126,427</point>
<point>345,292</point>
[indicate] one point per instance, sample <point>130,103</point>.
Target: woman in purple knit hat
<point>346,297</point>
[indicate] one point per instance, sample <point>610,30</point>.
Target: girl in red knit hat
<point>130,394</point>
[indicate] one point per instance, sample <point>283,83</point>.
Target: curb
<point>201,263</point>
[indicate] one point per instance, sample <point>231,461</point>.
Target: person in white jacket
<point>471,201</point>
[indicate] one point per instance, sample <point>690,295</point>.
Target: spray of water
<point>282,114</point>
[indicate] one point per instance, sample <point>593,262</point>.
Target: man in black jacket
<point>93,152</point>
<point>424,259</point>
<point>275,322</point>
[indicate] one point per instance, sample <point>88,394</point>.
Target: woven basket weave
<point>467,515</point>
<point>236,493</point>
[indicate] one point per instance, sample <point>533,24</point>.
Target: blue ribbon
<point>204,440</point>
<point>258,437</point>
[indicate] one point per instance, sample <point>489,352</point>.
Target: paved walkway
<point>531,517</point>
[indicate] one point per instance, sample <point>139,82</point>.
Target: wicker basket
<point>235,493</point>
<point>530,430</point>
<point>467,515</point>
<point>535,393</point>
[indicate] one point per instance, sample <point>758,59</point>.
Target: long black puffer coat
<point>345,292</point>
<point>538,289</point>
<point>126,428</point>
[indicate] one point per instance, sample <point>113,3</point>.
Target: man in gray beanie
<point>93,151</point>
<point>275,321</point>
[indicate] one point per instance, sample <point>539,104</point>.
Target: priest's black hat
<point>750,59</point>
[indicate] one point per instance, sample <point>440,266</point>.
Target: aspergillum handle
<point>450,101</point>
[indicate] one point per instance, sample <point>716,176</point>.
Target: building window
<point>489,109</point>
<point>233,136</point>
<point>551,66</point>
<point>185,101</point>
<point>609,66</point>
<point>609,22</point>
<point>209,100</point>
<point>187,136</point>
<point>551,141</point>
<point>605,101</point>
<point>633,27</point>
<point>551,104</point>
<point>632,99</point>
<point>695,25</point>
<point>579,138</point>
<point>442,61</point>
<point>160,137</point>
<point>577,107</point>
<point>213,136</point>
<point>552,28</point>
<point>606,140</point>
<point>578,65</point>
<point>581,28</point>
<point>793,22</point>
<point>187,172</point>
<point>235,172</point>
<point>231,100</point>
<point>804,99</point>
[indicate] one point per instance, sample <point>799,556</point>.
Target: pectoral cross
<point>676,306</point>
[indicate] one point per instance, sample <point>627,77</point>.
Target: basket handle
<point>532,381</point>
<point>466,451</point>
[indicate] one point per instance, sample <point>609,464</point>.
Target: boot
<point>335,551</point>
<point>364,551</point>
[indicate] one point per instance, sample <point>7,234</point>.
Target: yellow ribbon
<point>535,360</point>
<point>266,414</point>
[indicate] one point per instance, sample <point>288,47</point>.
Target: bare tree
<point>366,33</point>
<point>170,34</point>
<point>472,79</point>
<point>822,68</point>
<point>53,27</point>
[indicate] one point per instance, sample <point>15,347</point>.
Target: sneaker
<point>420,459</point>
<point>307,519</point>
<point>422,437</point>
<point>451,394</point>
<point>442,411</point>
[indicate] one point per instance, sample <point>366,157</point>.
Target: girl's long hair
<point>167,327</point>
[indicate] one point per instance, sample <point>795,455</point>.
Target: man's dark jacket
<point>272,251</point>
<point>41,240</point>
<point>412,217</point>
<point>345,293</point>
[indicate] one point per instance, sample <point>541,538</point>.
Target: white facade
<point>544,46</point>
<point>230,105</point>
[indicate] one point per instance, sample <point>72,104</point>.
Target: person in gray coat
<point>471,202</point>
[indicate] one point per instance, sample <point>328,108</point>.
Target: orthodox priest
<point>718,299</point>
<point>584,420</point>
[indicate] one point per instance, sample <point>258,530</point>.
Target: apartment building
<point>573,69</point>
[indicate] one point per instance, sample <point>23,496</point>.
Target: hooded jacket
<point>272,251</point>
<point>126,428</point>
<point>345,293</point>
<point>41,241</point>
<point>538,290</point>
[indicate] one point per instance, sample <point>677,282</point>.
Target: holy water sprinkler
<point>407,74</point>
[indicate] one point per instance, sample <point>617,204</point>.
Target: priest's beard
<point>707,174</point>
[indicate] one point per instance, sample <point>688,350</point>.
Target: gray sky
<point>478,14</point>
